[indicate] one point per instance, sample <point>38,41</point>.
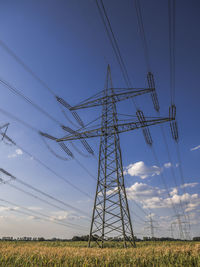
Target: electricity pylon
<point>111,216</point>
<point>151,226</point>
<point>5,128</point>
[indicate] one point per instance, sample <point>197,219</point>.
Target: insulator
<point>68,106</point>
<point>52,151</point>
<point>70,130</point>
<point>66,149</point>
<point>173,123</point>
<point>6,173</point>
<point>155,101</point>
<point>78,119</point>
<point>145,129</point>
<point>150,80</point>
<point>47,135</point>
<point>84,142</point>
<point>141,117</point>
<point>87,146</point>
<point>147,136</point>
<point>151,84</point>
<point>174,130</point>
<point>78,150</point>
<point>63,102</point>
<point>172,112</point>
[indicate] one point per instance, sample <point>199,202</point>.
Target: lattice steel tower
<point>111,216</point>
<point>111,211</point>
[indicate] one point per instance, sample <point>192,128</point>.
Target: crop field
<point>77,254</point>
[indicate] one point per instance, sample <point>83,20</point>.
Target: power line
<point>49,218</point>
<point>122,65</point>
<point>172,34</point>
<point>27,125</point>
<point>117,50</point>
<point>59,100</point>
<point>142,32</point>
<point>50,169</point>
<point>172,62</point>
<point>28,100</point>
<point>109,31</point>
<point>41,192</point>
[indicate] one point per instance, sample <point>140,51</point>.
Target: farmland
<point>160,254</point>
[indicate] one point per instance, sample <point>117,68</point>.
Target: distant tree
<point>80,238</point>
<point>146,238</point>
<point>41,239</point>
<point>196,238</point>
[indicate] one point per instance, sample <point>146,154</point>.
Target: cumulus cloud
<point>174,192</point>
<point>189,185</point>
<point>167,165</point>
<point>141,190</point>
<point>191,206</point>
<point>154,198</point>
<point>18,152</point>
<point>195,148</point>
<point>8,208</point>
<point>141,170</point>
<point>65,215</point>
<point>34,208</point>
<point>185,198</point>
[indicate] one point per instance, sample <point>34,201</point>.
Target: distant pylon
<point>152,228</point>
<point>3,130</point>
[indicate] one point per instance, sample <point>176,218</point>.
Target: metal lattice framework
<point>4,129</point>
<point>111,215</point>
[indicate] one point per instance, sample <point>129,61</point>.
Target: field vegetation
<point>176,253</point>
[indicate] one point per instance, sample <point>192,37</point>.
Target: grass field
<point>77,254</point>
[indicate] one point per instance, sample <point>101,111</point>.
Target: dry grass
<point>160,254</point>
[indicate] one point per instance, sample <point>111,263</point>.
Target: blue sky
<point>65,44</point>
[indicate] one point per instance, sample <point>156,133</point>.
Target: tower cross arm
<point>119,128</point>
<point>117,94</point>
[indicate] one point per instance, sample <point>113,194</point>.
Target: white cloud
<point>185,198</point>
<point>167,165</point>
<point>18,152</point>
<point>141,170</point>
<point>151,215</point>
<point>173,192</point>
<point>34,208</point>
<point>191,206</point>
<point>195,148</point>
<point>154,198</point>
<point>189,185</point>
<point>8,208</point>
<point>65,215</point>
<point>141,190</point>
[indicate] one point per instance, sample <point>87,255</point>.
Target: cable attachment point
<point>173,123</point>
<point>66,149</point>
<point>145,129</point>
<point>151,84</point>
<point>83,141</point>
<point>68,106</point>
<point>47,135</point>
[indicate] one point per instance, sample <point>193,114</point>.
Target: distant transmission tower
<point>3,130</point>
<point>151,226</point>
<point>111,216</point>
